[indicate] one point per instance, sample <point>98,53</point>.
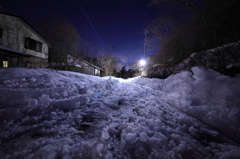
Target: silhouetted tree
<point>106,61</point>
<point>123,72</point>
<point>212,24</point>
<point>67,46</point>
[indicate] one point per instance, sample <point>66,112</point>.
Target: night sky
<point>104,24</point>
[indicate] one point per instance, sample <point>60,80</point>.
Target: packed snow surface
<point>53,114</point>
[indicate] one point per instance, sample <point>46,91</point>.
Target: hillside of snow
<point>204,94</point>
<point>59,114</point>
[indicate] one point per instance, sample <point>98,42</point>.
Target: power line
<point>59,18</point>
<point>49,9</point>
<point>92,26</point>
<point>145,30</point>
<point>128,40</point>
<point>99,40</point>
<point>84,23</point>
<point>142,14</point>
<point>82,40</point>
<point>104,25</point>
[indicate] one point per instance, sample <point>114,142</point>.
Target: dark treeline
<point>209,28</point>
<point>68,47</point>
<point>124,73</point>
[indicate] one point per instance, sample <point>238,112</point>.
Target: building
<point>77,65</point>
<point>20,44</point>
<point>89,68</point>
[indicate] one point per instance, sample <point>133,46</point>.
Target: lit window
<point>33,45</point>
<point>5,63</point>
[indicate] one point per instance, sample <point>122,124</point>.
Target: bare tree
<point>67,47</point>
<point>213,23</point>
<point>161,28</point>
<point>106,61</point>
<point>185,5</point>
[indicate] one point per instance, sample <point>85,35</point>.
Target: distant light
<point>142,62</point>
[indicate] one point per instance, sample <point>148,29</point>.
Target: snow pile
<point>205,94</point>
<point>58,114</point>
<point>154,129</point>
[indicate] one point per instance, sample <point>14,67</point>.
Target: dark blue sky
<point>118,24</point>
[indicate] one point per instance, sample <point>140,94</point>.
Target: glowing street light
<point>142,62</point>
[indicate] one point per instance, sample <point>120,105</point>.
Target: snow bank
<point>41,86</point>
<point>59,114</point>
<point>205,94</point>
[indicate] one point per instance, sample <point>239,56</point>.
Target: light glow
<point>142,62</point>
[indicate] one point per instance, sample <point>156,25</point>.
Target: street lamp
<point>142,62</point>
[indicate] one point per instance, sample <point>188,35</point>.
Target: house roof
<point>27,25</point>
<point>92,65</point>
<point>86,62</point>
<point>11,50</point>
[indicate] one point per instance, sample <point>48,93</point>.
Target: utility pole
<point>110,48</point>
<point>146,31</point>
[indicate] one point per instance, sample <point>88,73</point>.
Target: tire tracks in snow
<point>144,121</point>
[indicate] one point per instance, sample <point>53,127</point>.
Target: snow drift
<point>207,95</point>
<point>59,114</point>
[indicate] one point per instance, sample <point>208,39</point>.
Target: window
<point>5,63</point>
<point>1,32</point>
<point>33,45</point>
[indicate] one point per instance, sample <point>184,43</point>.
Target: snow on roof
<point>92,65</point>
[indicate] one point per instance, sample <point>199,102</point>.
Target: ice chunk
<point>44,100</point>
<point>64,150</point>
<point>193,131</point>
<point>181,147</point>
<point>131,137</point>
<point>209,132</point>
<point>32,103</point>
<point>66,157</point>
<point>104,135</point>
<point>108,156</point>
<point>53,115</point>
<point>72,130</point>
<point>143,137</point>
<point>99,148</point>
<point>172,143</point>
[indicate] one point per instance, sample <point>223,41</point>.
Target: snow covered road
<point>59,114</point>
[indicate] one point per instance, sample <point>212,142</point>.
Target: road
<point>107,119</point>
